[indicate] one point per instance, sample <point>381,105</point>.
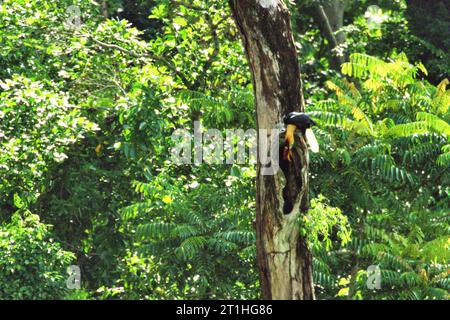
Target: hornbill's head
<point>302,122</point>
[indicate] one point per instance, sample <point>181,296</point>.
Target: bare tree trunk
<point>284,260</point>
<point>105,8</point>
<point>330,17</point>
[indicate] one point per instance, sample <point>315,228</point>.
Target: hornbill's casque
<point>302,122</point>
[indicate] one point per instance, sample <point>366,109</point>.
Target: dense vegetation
<point>87,111</point>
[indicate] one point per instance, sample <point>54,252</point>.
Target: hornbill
<point>302,122</point>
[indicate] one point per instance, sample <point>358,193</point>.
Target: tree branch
<point>212,57</point>
<point>163,60</point>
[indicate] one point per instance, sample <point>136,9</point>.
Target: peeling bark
<point>284,260</point>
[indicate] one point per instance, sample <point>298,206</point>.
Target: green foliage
<point>200,40</point>
<point>429,24</point>
<point>233,108</point>
<point>32,264</point>
<point>412,267</point>
<point>86,117</point>
<point>196,234</point>
<point>136,280</point>
<point>322,222</point>
<point>385,141</point>
<point>37,127</point>
<point>419,29</point>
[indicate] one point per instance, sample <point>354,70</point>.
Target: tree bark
<point>284,260</point>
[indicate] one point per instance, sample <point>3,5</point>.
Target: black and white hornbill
<point>302,122</point>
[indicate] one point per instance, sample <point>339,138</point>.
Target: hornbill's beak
<point>289,139</point>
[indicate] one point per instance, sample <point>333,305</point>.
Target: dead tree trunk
<point>284,260</point>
